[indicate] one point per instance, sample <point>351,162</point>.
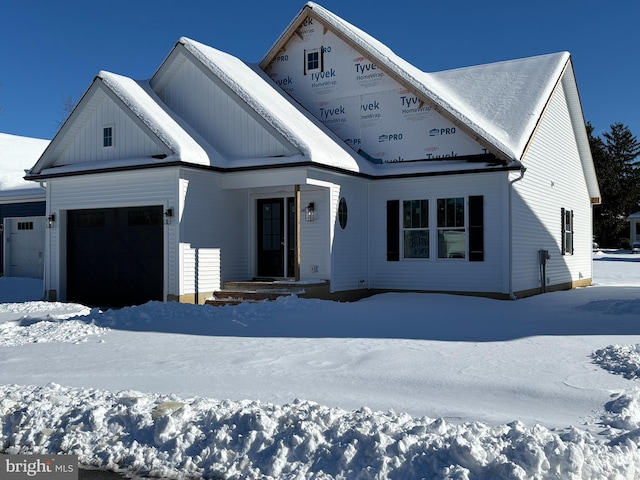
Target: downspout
<point>522,170</point>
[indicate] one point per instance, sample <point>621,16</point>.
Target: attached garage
<point>115,256</point>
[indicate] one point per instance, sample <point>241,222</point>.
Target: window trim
<point>110,137</point>
<point>320,60</point>
<point>473,229</point>
<point>453,228</point>
<point>424,203</point>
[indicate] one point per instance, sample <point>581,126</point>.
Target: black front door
<point>276,237</point>
<point>271,223</point>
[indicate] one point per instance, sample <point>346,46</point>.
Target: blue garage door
<point>115,256</point>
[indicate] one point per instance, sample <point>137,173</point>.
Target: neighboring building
<point>634,238</point>
<point>333,159</point>
<point>22,208</point>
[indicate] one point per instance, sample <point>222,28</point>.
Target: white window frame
<point>112,129</point>
<point>408,225</point>
<point>454,248</point>
<point>314,69</point>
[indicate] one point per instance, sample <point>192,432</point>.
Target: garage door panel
<point>115,256</point>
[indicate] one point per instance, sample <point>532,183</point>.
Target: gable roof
<point>490,121</point>
<point>181,143</point>
<point>498,105</point>
<point>142,105</point>
<point>315,142</point>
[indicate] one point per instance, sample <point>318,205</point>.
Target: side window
<point>313,61</point>
<point>452,237</point>
<point>343,213</point>
<point>567,231</point>
<point>415,228</point>
<point>107,137</point>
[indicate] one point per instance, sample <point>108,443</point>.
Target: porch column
<point>297,239</point>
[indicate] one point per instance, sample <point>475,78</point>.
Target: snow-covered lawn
<point>394,386</point>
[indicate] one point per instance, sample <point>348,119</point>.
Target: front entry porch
<point>234,293</point>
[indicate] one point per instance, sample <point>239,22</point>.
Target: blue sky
<point>50,51</point>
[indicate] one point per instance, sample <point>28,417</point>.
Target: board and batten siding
<point>553,180</point>
<point>436,274</point>
<point>110,190</point>
<point>216,113</point>
<point>130,140</point>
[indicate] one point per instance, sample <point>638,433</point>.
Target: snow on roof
<point>17,155</point>
<point>507,98</point>
<point>316,142</point>
<point>503,114</point>
<point>498,104</point>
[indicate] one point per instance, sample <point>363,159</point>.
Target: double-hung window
<point>458,229</point>
<point>452,236</point>
<point>415,226</point>
<point>107,137</point>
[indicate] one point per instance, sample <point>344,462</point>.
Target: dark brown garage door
<point>115,256</point>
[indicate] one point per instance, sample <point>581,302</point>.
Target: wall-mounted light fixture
<point>51,220</point>
<point>168,213</point>
<point>310,212</point>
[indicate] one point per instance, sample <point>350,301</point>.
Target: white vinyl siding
<point>230,126</point>
<point>129,139</point>
<point>314,236</point>
<point>348,247</point>
<point>213,219</point>
<point>122,189</point>
<point>553,180</point>
<point>439,274</point>
<point>200,271</point>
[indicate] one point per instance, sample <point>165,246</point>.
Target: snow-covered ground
<point>394,386</point>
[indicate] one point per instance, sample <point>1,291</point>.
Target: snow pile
<point>47,328</point>
<point>172,437</point>
<point>623,413</point>
<point>460,384</point>
<point>620,359</point>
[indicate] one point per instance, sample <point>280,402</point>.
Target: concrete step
<point>234,293</point>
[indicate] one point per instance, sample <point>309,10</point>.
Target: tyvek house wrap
<point>503,115</point>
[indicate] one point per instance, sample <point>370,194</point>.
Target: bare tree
<point>68,104</point>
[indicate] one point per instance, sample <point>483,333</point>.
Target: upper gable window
<point>107,137</point>
<point>313,61</point>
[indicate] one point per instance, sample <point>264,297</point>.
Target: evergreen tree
<point>615,160</point>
